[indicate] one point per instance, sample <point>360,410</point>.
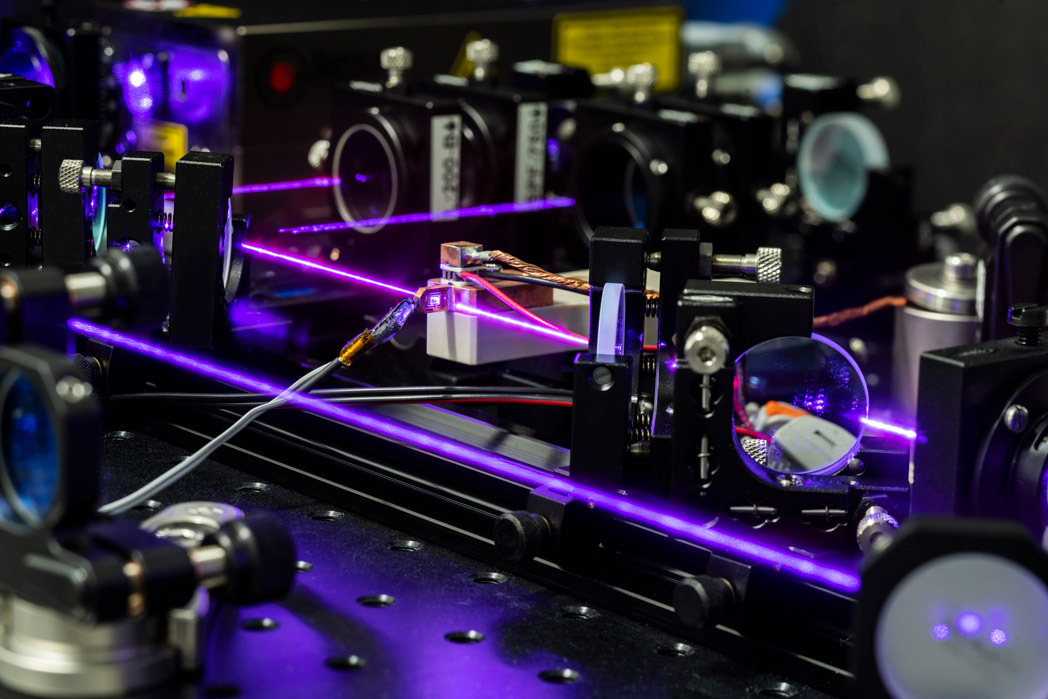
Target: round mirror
<point>833,162</point>
<point>799,406</point>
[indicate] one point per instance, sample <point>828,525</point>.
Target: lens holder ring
<point>1001,474</point>
<point>920,541</point>
<point>385,133</point>
<point>76,419</point>
<point>640,149</point>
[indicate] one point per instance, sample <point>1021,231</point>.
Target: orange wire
<point>832,320</point>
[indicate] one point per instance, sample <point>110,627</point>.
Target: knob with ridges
<point>69,176</point>
<point>769,265</point>
<point>703,601</point>
<point>520,536</point>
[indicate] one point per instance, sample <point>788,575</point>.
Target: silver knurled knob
<point>396,58</point>
<point>642,76</point>
<point>704,64</point>
<point>482,52</point>
<point>69,175</point>
<point>769,265</point>
<point>318,154</point>
<point>883,91</point>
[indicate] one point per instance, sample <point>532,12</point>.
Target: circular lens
<point>367,172</point>
<point>965,625</point>
<point>96,210</point>
<point>613,190</point>
<point>9,215</point>
<point>30,453</point>
<point>27,55</point>
<point>833,163</point>
<point>799,406</point>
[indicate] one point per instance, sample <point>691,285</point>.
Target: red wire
<point>501,296</point>
<point>752,433</point>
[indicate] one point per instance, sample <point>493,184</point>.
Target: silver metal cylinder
<point>875,530</point>
<point>765,266</point>
<point>940,314</point>
<point>85,289</point>
<point>45,653</point>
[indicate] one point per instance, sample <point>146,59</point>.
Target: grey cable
<point>200,455</point>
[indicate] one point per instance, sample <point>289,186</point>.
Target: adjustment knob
<point>1029,319</point>
<point>137,284</point>
<point>769,265</point>
<point>260,559</point>
<point>642,76</point>
<point>520,536</point>
<point>396,58</point>
<point>69,176</point>
<point>482,52</point>
<point>703,601</point>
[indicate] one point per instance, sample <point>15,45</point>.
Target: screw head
<point>706,350</point>
<point>1016,418</point>
<point>1028,315</point>
<point>704,64</point>
<point>641,76</point>
<point>882,90</point>
<point>718,209</point>
<point>482,52</point>
<point>396,58</point>
<point>318,154</point>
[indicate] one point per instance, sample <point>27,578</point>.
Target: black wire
<point>528,280</point>
<point>387,394</point>
<point>379,400</point>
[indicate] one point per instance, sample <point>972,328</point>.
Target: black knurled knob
<point>520,536</point>
<point>1030,320</point>
<point>703,601</point>
<point>261,559</point>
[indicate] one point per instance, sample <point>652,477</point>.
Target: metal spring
<point>649,363</point>
<point>35,183</point>
<point>641,429</point>
<point>651,304</point>
<point>36,237</point>
<point>640,433</point>
<point>165,220</point>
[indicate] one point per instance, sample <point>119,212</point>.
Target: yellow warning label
<point>600,41</point>
<point>166,137</point>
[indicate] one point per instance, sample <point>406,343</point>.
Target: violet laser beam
<point>481,460</point>
<point>505,319</point>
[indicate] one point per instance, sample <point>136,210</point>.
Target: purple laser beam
<point>284,186</point>
<point>468,212</point>
<point>278,186</point>
<point>316,266</point>
<point>505,319</point>
<point>481,460</point>
<point>888,427</point>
